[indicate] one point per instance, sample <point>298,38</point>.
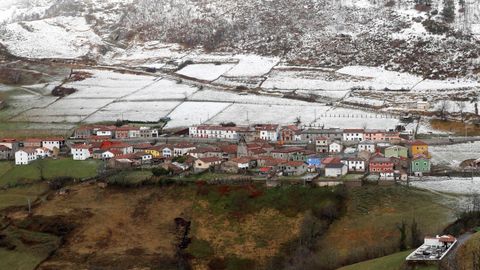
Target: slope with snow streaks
<point>59,37</point>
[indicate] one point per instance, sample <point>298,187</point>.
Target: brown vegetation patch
<point>122,223</point>
<point>456,127</point>
<point>257,236</point>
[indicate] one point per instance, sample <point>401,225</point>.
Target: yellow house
<point>160,151</point>
<point>418,148</point>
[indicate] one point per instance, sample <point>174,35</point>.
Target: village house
<point>289,133</point>
<point>105,132</point>
<point>125,132</point>
<point>148,132</point>
<point>159,151</point>
<point>285,153</point>
<point>268,132</point>
<point>122,147</point>
<point>203,164</point>
<point>106,154</point>
<point>204,152</point>
<point>5,152</point>
<point>353,135</point>
<point>310,134</point>
<point>43,152</point>
<point>420,165</point>
<point>242,163</point>
<point>32,143</point>
<point>182,149</point>
<point>25,156</point>
<point>335,169</point>
<point>392,136</point>
<point>12,144</point>
<point>374,135</point>
<point>396,151</point>
<point>52,143</point>
<point>321,144</point>
<point>380,164</point>
<point>387,175</point>
<point>141,147</point>
<point>83,132</point>
<point>81,151</point>
<point>418,148</point>
<point>367,146</point>
<point>302,155</point>
<point>356,164</point>
<point>314,162</point>
<point>335,147</point>
<point>216,132</point>
<point>228,151</point>
<point>294,168</point>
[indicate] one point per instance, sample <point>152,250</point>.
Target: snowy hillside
<point>416,36</point>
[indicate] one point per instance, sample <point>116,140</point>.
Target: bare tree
<point>443,109</point>
<point>461,108</point>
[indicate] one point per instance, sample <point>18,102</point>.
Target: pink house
<point>374,135</point>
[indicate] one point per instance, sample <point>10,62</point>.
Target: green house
<point>396,151</point>
<point>420,165</point>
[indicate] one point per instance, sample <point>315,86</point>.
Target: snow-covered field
<point>453,155</point>
<point>163,89</point>
<point>252,66</point>
<point>206,72</point>
<point>456,185</point>
<point>133,111</point>
<point>109,84</point>
<point>214,95</point>
<point>191,113</point>
<point>357,77</point>
<point>351,118</point>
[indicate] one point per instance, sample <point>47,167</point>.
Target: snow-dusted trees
<point>448,11</point>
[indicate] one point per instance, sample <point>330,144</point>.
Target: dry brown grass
<point>458,128</point>
<point>112,230</point>
<point>257,236</point>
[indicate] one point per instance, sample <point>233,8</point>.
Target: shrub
<point>160,171</point>
<point>200,249</point>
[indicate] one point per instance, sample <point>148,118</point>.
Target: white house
<point>217,132</point>
<point>335,147</point>
<point>134,133</point>
<point>356,164</point>
<point>242,163</point>
<point>81,152</point>
<point>353,134</point>
<point>43,152</point>
<point>104,132</point>
<point>146,157</point>
<point>167,152</point>
<point>51,143</point>
<point>108,155</point>
<point>387,175</point>
<point>268,132</point>
<point>25,156</point>
<point>366,146</point>
<point>181,149</point>
<point>335,170</point>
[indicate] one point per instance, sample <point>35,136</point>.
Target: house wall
<point>396,151</point>
<point>419,150</point>
<point>376,167</point>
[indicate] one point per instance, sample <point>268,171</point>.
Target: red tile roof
<point>210,159</point>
